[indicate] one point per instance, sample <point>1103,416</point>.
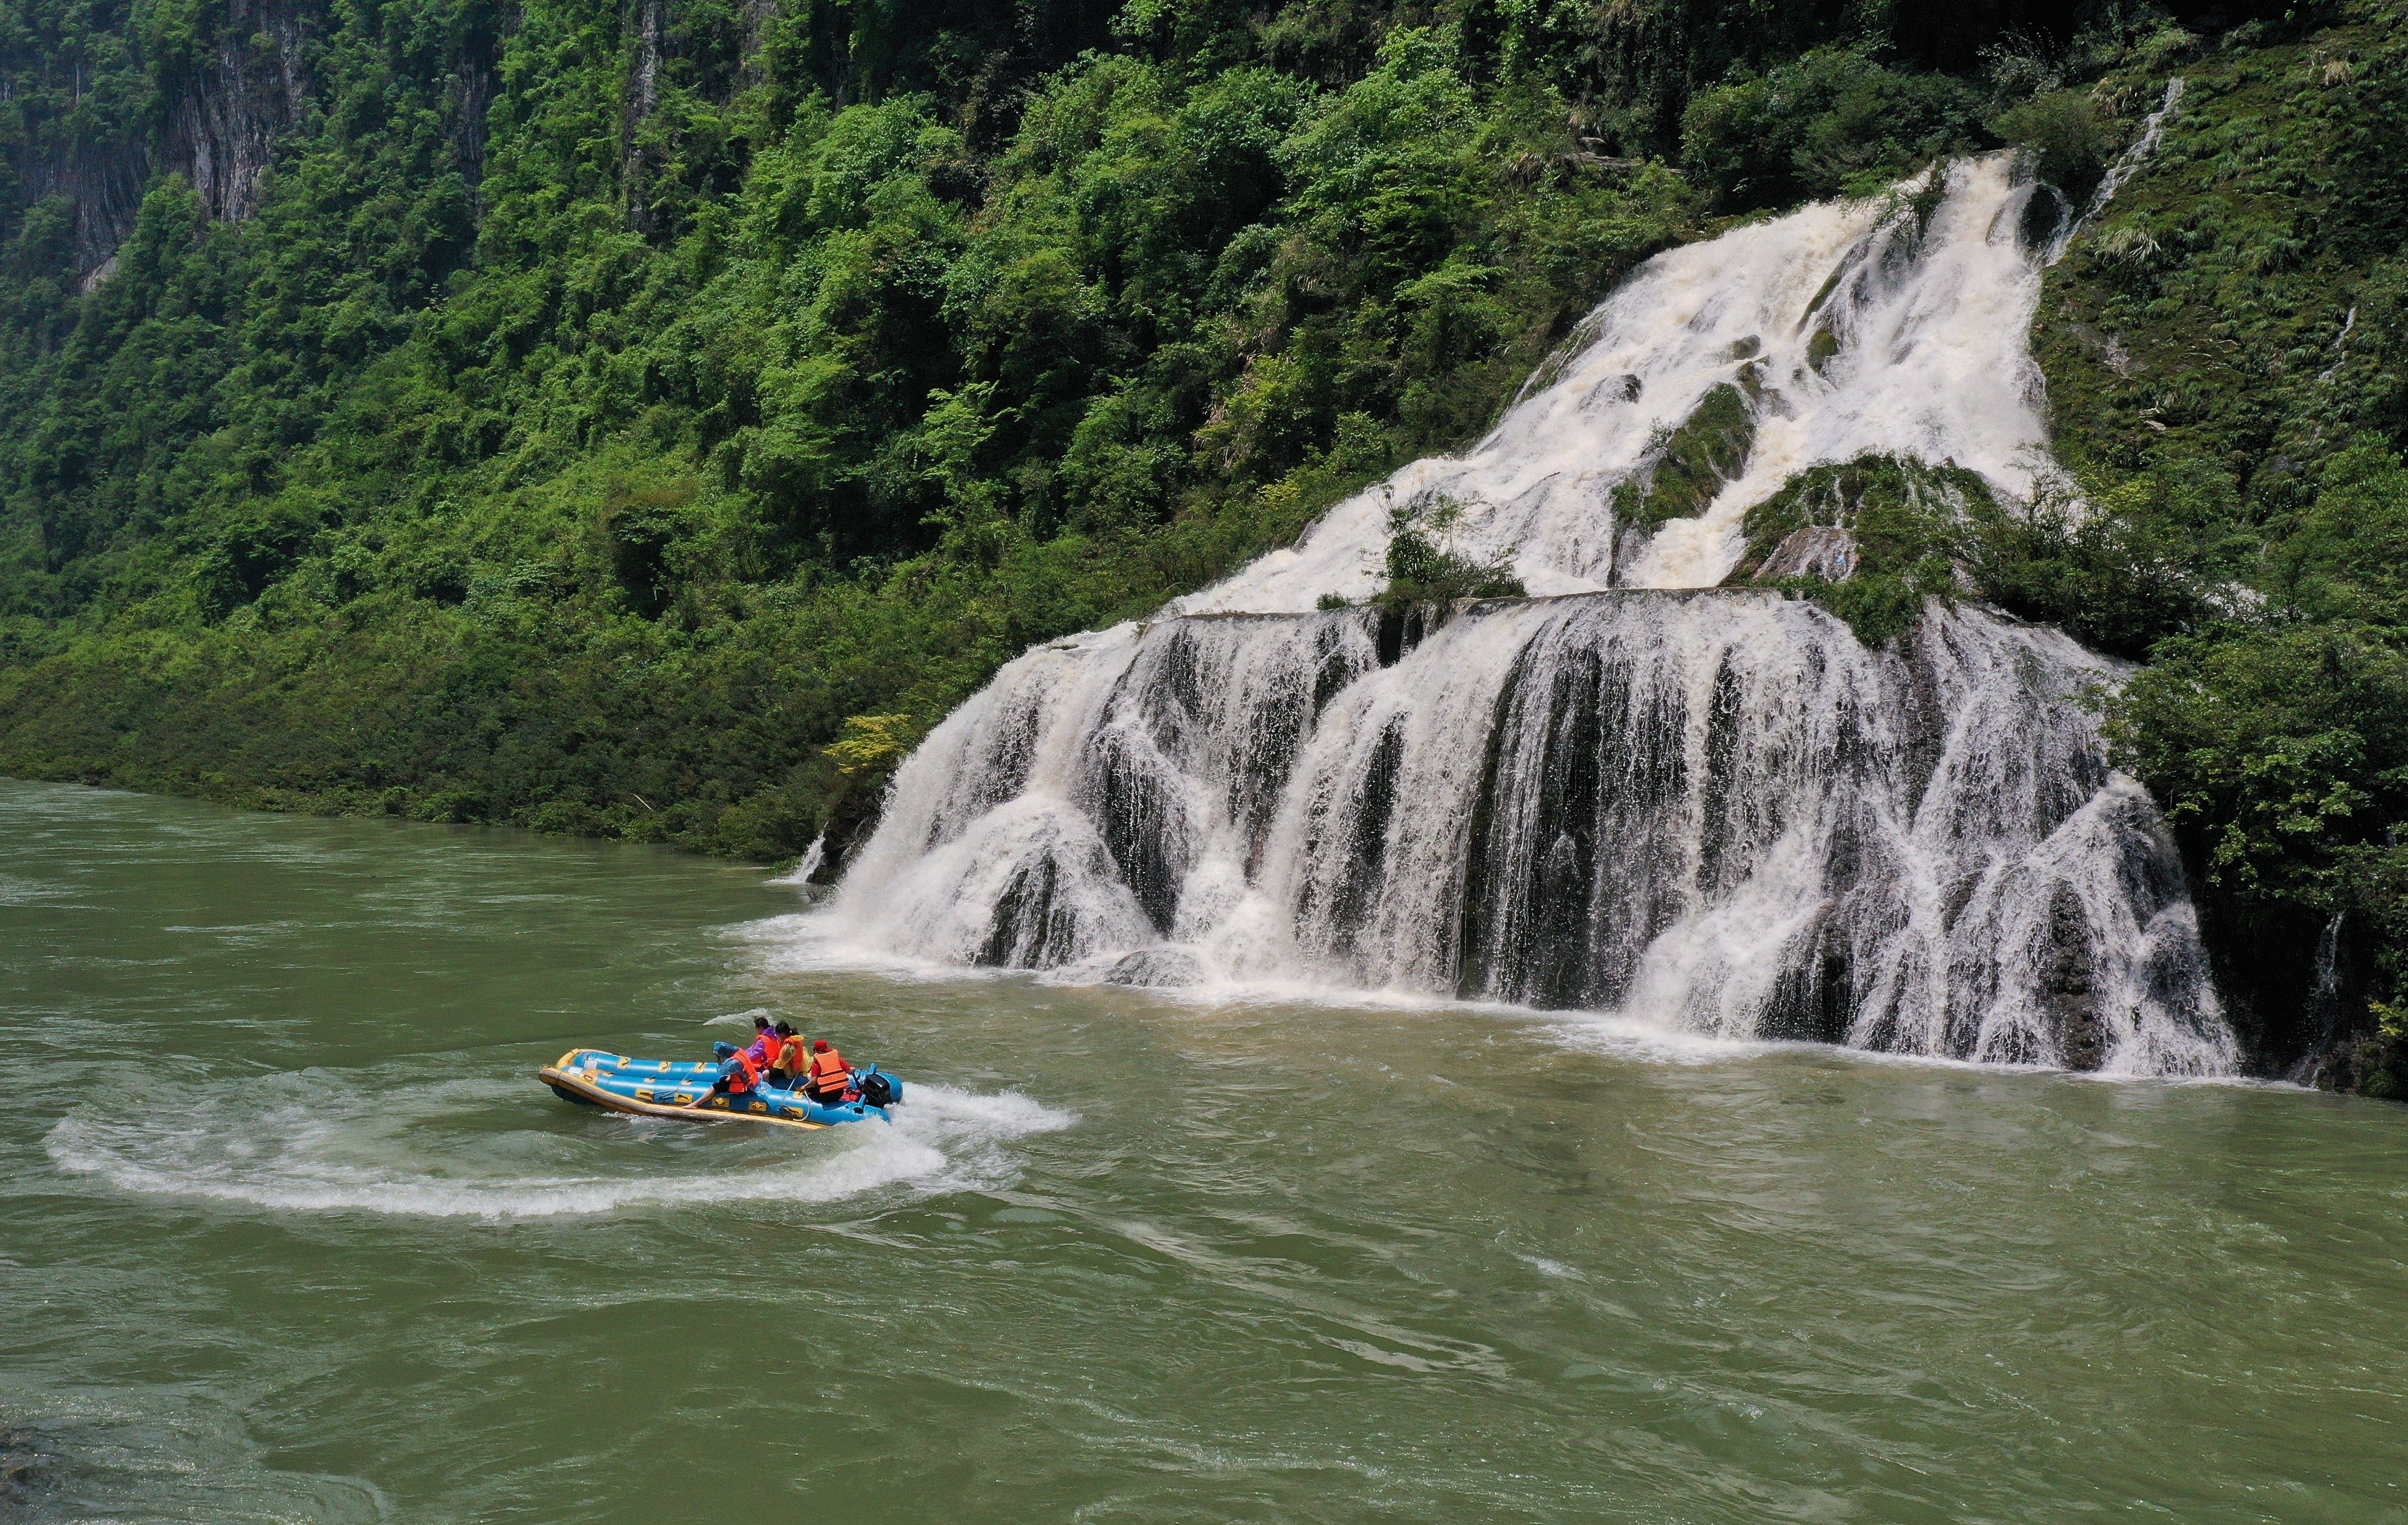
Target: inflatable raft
<point>664,1089</point>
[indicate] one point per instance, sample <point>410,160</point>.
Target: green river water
<point>291,1231</point>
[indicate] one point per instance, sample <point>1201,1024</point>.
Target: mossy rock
<point>1684,466</point>
<point>1423,567</point>
<point>1897,510</point>
<point>1903,521</point>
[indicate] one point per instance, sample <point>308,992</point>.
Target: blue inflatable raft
<point>664,1089</point>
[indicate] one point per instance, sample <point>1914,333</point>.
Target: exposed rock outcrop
<point>1816,551</point>
<point>2069,988</point>
<point>648,27</point>
<point>104,182</point>
<point>250,87</point>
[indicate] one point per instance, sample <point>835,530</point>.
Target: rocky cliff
<point>250,86</point>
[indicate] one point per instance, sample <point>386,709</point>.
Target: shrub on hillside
<point>1834,122</point>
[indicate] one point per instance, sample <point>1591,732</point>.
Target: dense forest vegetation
<point>646,418</point>
<point>2227,370</point>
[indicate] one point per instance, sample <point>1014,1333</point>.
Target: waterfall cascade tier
<point>1715,809</point>
<point>1894,325</point>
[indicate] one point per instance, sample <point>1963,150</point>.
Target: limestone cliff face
<point>72,131</point>
<point>476,78</point>
<point>103,182</point>
<point>649,26</point>
<point>224,115</point>
<point>663,51</point>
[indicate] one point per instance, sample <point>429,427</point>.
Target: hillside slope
<point>645,420</point>
<point>2227,370</point>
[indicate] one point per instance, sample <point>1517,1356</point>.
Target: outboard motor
<point>877,1087</point>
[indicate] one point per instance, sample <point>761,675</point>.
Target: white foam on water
<point>824,941</point>
<point>19,891</point>
<point>320,1141</point>
<point>1546,1267</point>
<point>1622,1036</point>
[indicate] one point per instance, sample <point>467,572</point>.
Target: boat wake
<point>328,1141</point>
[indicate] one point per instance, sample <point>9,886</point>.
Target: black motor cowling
<point>879,1090</point>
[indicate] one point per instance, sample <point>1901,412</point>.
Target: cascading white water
<point>1717,809</point>
<point>1930,322</point>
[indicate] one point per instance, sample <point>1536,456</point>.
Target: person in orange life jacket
<point>764,1052</point>
<point>737,1074</point>
<point>792,1056</point>
<point>831,1078</point>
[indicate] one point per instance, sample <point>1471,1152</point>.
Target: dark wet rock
<point>2044,213</point>
<point>1136,800</point>
<point>1959,896</point>
<point>2069,986</point>
<point>1721,825</point>
<point>1155,968</point>
<point>1816,551</point>
<point>1366,845</point>
<point>1402,629</point>
<point>1923,719</point>
<point>849,823</point>
<point>1630,545</point>
<point>1814,997</point>
<point>1034,926</point>
<point>1582,774</point>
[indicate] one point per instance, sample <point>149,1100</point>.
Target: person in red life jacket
<point>830,1081</point>
<point>791,1061</point>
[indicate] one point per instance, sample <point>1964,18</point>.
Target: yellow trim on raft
<point>718,1111</point>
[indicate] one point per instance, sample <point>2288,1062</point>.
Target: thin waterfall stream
<point>1643,791</point>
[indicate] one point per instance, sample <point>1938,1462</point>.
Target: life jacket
<point>748,1072</point>
<point>793,1055</point>
<point>830,1076</point>
<point>763,1049</point>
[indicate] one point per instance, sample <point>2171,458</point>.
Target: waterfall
<point>2128,163</point>
<point>1636,792</point>
<point>1848,327</point>
<point>805,871</point>
<point>2322,1012</point>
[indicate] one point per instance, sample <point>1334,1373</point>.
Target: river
<point>292,1233</point>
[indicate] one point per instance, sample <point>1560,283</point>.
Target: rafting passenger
<point>793,1057</point>
<point>737,1074</point>
<point>764,1052</point>
<point>831,1078</point>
